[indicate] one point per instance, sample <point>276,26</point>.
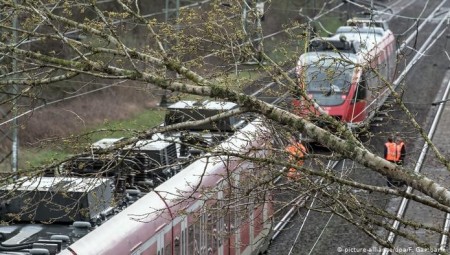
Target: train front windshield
<point>328,84</point>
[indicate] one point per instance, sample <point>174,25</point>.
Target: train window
<point>328,81</point>
<point>361,90</point>
<point>181,248</point>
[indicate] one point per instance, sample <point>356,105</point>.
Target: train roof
<point>364,39</point>
<point>349,43</point>
<point>153,204</point>
<point>195,110</point>
<point>374,21</point>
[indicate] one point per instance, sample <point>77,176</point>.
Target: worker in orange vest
<point>296,152</point>
<point>390,150</point>
<point>392,153</point>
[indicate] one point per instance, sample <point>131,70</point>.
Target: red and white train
<point>216,205</point>
<point>345,74</point>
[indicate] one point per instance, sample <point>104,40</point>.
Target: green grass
<point>34,157</point>
<point>127,128</point>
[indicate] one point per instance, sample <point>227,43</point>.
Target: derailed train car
<point>193,212</point>
<point>346,74</point>
<point>216,205</point>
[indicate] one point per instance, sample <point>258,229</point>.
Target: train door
<point>391,61</point>
<point>184,236</point>
<point>252,208</point>
<point>203,233</point>
<point>239,229</point>
<point>160,243</point>
<point>221,221</point>
<point>358,105</point>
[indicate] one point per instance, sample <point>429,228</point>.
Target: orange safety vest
<point>399,150</point>
<point>296,152</point>
<point>391,154</point>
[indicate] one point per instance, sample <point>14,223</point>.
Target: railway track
<point>325,221</point>
<point>300,202</point>
<point>401,212</point>
<point>438,31</point>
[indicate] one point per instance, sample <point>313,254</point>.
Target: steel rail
<point>444,237</point>
<point>298,202</point>
<point>333,165</point>
<point>402,208</point>
<point>427,44</point>
<point>321,233</point>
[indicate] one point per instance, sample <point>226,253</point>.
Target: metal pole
<point>15,137</point>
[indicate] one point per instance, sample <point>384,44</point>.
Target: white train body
<point>188,213</point>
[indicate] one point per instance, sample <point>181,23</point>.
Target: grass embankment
<point>62,148</point>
